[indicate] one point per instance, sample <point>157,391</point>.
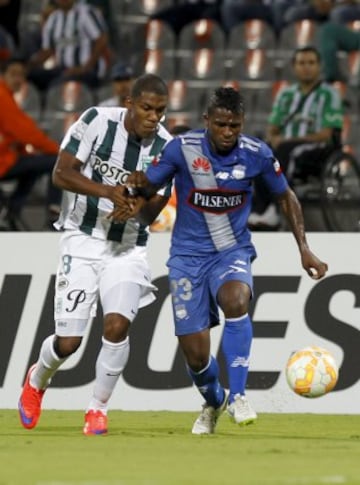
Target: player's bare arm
<point>67,175</point>
<point>291,208</point>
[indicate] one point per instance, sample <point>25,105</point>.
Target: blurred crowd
<point>83,42</point>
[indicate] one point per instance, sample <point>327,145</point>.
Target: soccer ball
<point>312,372</point>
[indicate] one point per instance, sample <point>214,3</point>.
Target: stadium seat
<point>350,96</point>
<point>354,25</point>
<point>143,7</point>
<point>156,61</point>
<point>253,65</point>
<point>350,66</point>
<point>159,35</point>
<point>201,34</point>
<point>189,118</point>
<point>104,92</point>
<point>183,96</point>
<point>59,123</point>
<point>251,34</point>
<point>28,98</point>
<point>298,34</point>
<point>69,96</point>
<point>205,65</point>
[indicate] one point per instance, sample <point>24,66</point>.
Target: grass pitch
<point>149,448</point>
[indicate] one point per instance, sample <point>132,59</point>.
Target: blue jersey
<point>214,192</point>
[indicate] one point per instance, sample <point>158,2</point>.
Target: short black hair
<point>227,98</point>
<point>306,48</point>
<point>149,83</point>
<point>5,64</point>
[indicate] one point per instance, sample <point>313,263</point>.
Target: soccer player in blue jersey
<point>211,250</point>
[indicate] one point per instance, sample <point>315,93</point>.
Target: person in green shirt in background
<point>304,128</point>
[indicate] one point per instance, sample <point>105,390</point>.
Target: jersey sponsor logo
<point>62,283</point>
<point>79,130</point>
<point>216,201</point>
<point>222,175</point>
<point>237,173</point>
<point>76,297</point>
<point>201,165</point>
<point>106,169</point>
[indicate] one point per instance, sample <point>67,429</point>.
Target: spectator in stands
<point>7,46</point>
<point>178,16</point>
<point>78,48</point>
<point>9,16</point>
<point>26,153</point>
<point>304,128</point>
<point>318,10</point>
<point>122,78</point>
<point>234,12</point>
<point>345,11</point>
<point>31,36</point>
<point>106,10</point>
<point>333,38</point>
<point>341,11</point>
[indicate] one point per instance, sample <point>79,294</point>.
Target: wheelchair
<point>335,191</point>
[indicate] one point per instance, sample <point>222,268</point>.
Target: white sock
<point>46,366</point>
<point>109,366</point>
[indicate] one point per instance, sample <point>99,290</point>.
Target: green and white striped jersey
<point>101,142</point>
<point>321,109</point>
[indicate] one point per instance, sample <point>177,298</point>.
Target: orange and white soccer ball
<point>312,372</point>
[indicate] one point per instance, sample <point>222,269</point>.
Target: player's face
<point>223,127</point>
<point>144,114</point>
<point>15,76</point>
<point>307,67</point>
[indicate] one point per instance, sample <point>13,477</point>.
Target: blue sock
<point>207,382</point>
<point>236,343</point>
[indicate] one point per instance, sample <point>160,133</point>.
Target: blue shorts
<point>195,282</point>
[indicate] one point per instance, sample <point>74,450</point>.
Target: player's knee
<point>235,307</point>
<point>116,327</point>
<point>65,346</point>
<point>234,300</point>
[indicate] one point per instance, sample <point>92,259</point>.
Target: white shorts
<point>90,268</point>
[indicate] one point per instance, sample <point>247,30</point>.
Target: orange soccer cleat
<point>95,423</point>
<point>30,403</point>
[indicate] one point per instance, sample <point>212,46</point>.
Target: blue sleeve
<point>272,173</point>
<point>163,168</point>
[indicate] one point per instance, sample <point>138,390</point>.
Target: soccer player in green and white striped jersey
<point>100,258</point>
<point>304,126</point>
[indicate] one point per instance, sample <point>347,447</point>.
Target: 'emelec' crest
<point>238,172</point>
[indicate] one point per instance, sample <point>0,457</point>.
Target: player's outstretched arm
<point>291,208</point>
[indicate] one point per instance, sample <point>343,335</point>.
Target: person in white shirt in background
<point>122,78</point>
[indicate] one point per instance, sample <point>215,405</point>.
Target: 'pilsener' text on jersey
<point>214,192</point>
<point>99,140</point>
